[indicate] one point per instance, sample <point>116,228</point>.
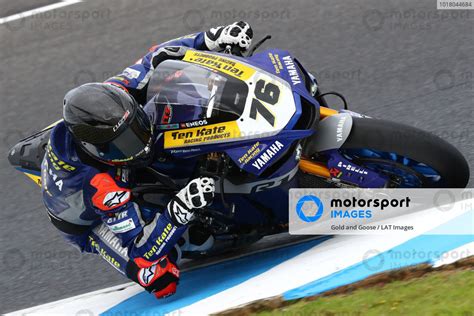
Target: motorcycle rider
<point>88,170</point>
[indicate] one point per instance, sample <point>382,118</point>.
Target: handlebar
<point>233,50</point>
<point>236,50</point>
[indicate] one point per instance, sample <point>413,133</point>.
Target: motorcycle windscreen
<point>185,93</point>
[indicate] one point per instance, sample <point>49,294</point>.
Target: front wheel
<point>409,156</point>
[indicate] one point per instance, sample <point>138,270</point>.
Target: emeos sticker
<point>219,63</point>
<point>200,135</point>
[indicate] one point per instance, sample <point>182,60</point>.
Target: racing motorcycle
<point>260,125</point>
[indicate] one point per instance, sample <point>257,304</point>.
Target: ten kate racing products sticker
<point>220,63</point>
<point>201,135</point>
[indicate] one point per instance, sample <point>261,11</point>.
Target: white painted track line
<point>455,254</point>
<point>48,7</point>
<point>332,256</point>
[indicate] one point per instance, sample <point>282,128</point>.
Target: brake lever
<point>257,45</point>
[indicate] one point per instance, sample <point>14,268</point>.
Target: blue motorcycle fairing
<point>259,155</point>
<point>247,154</point>
<point>280,63</point>
<point>252,155</point>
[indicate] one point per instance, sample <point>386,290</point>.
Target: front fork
<point>341,171</point>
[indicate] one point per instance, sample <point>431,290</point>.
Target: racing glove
<point>238,33</point>
<point>197,194</point>
<point>160,278</point>
<point>168,52</point>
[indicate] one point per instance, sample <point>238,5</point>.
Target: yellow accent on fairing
<point>52,125</point>
<point>35,178</point>
<point>325,112</point>
<point>314,168</point>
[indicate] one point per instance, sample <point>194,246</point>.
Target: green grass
<point>438,293</point>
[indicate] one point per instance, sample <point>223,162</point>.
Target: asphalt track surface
<point>399,60</point>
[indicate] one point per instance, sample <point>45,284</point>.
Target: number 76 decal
<point>268,93</point>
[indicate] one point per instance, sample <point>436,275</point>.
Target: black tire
<point>410,142</point>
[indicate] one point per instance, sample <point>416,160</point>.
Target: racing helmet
<point>108,124</point>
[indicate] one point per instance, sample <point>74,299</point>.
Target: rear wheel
<point>409,156</point>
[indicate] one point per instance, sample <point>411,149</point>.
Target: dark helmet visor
<point>134,142</point>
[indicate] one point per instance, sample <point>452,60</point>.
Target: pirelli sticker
<point>201,135</point>
<point>220,63</point>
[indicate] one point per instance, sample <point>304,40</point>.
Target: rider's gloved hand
<point>197,194</point>
<point>238,33</point>
<point>160,278</point>
<point>168,52</point>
